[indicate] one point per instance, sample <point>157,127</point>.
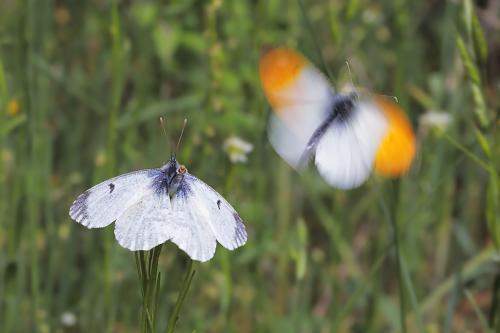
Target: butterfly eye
<point>182,170</point>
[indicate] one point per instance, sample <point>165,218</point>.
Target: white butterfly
<point>153,206</point>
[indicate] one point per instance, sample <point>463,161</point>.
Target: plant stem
<point>392,217</point>
<point>147,270</point>
<point>188,277</point>
<point>467,152</point>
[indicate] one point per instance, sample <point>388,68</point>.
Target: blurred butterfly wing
<point>212,217</point>
<point>105,202</point>
<point>290,140</point>
<point>300,96</point>
<point>345,153</point>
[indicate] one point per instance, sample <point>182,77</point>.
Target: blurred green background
<point>83,83</point>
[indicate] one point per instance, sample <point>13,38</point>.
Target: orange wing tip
<point>278,69</point>
<point>397,150</point>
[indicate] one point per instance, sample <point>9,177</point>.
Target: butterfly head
<point>172,174</point>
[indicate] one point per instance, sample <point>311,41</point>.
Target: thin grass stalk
<point>477,310</point>
<point>117,66</point>
<point>225,256</point>
<point>26,50</point>
<point>393,204</point>
<point>149,278</point>
<point>188,278</point>
<point>3,192</point>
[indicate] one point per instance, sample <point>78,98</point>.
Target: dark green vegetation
<point>82,84</point>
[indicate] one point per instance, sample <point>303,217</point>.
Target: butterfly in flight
<point>152,206</point>
<point>347,135</point>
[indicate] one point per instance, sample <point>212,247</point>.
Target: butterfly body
<point>152,206</point>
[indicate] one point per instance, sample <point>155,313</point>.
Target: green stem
<point>188,277</point>
<point>147,270</point>
<point>392,218</point>
<point>467,152</point>
<point>118,57</point>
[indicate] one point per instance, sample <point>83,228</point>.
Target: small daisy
<point>435,120</point>
<point>68,319</point>
<point>237,149</point>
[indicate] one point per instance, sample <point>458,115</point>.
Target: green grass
<point>91,80</point>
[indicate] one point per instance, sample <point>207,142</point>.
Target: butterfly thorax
<point>342,105</point>
<point>169,177</point>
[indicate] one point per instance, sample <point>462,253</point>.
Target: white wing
<point>209,212</point>
<point>105,202</point>
<point>152,221</point>
<point>345,154</point>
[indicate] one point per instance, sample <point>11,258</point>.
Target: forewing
<point>207,209</point>
<point>289,133</point>
<point>345,154</point>
<point>288,145</point>
<point>105,202</point>
<point>306,105</point>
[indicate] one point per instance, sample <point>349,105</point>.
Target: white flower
<point>237,149</point>
<point>68,319</point>
<point>435,120</point>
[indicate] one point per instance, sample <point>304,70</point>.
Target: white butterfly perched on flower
<point>348,136</point>
<point>150,207</point>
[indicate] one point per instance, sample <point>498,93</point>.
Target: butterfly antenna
<point>350,73</point>
<point>390,97</point>
<point>352,83</point>
<point>162,122</point>
<point>180,137</point>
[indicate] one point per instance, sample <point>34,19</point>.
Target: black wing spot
<point>219,203</point>
<point>111,188</point>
